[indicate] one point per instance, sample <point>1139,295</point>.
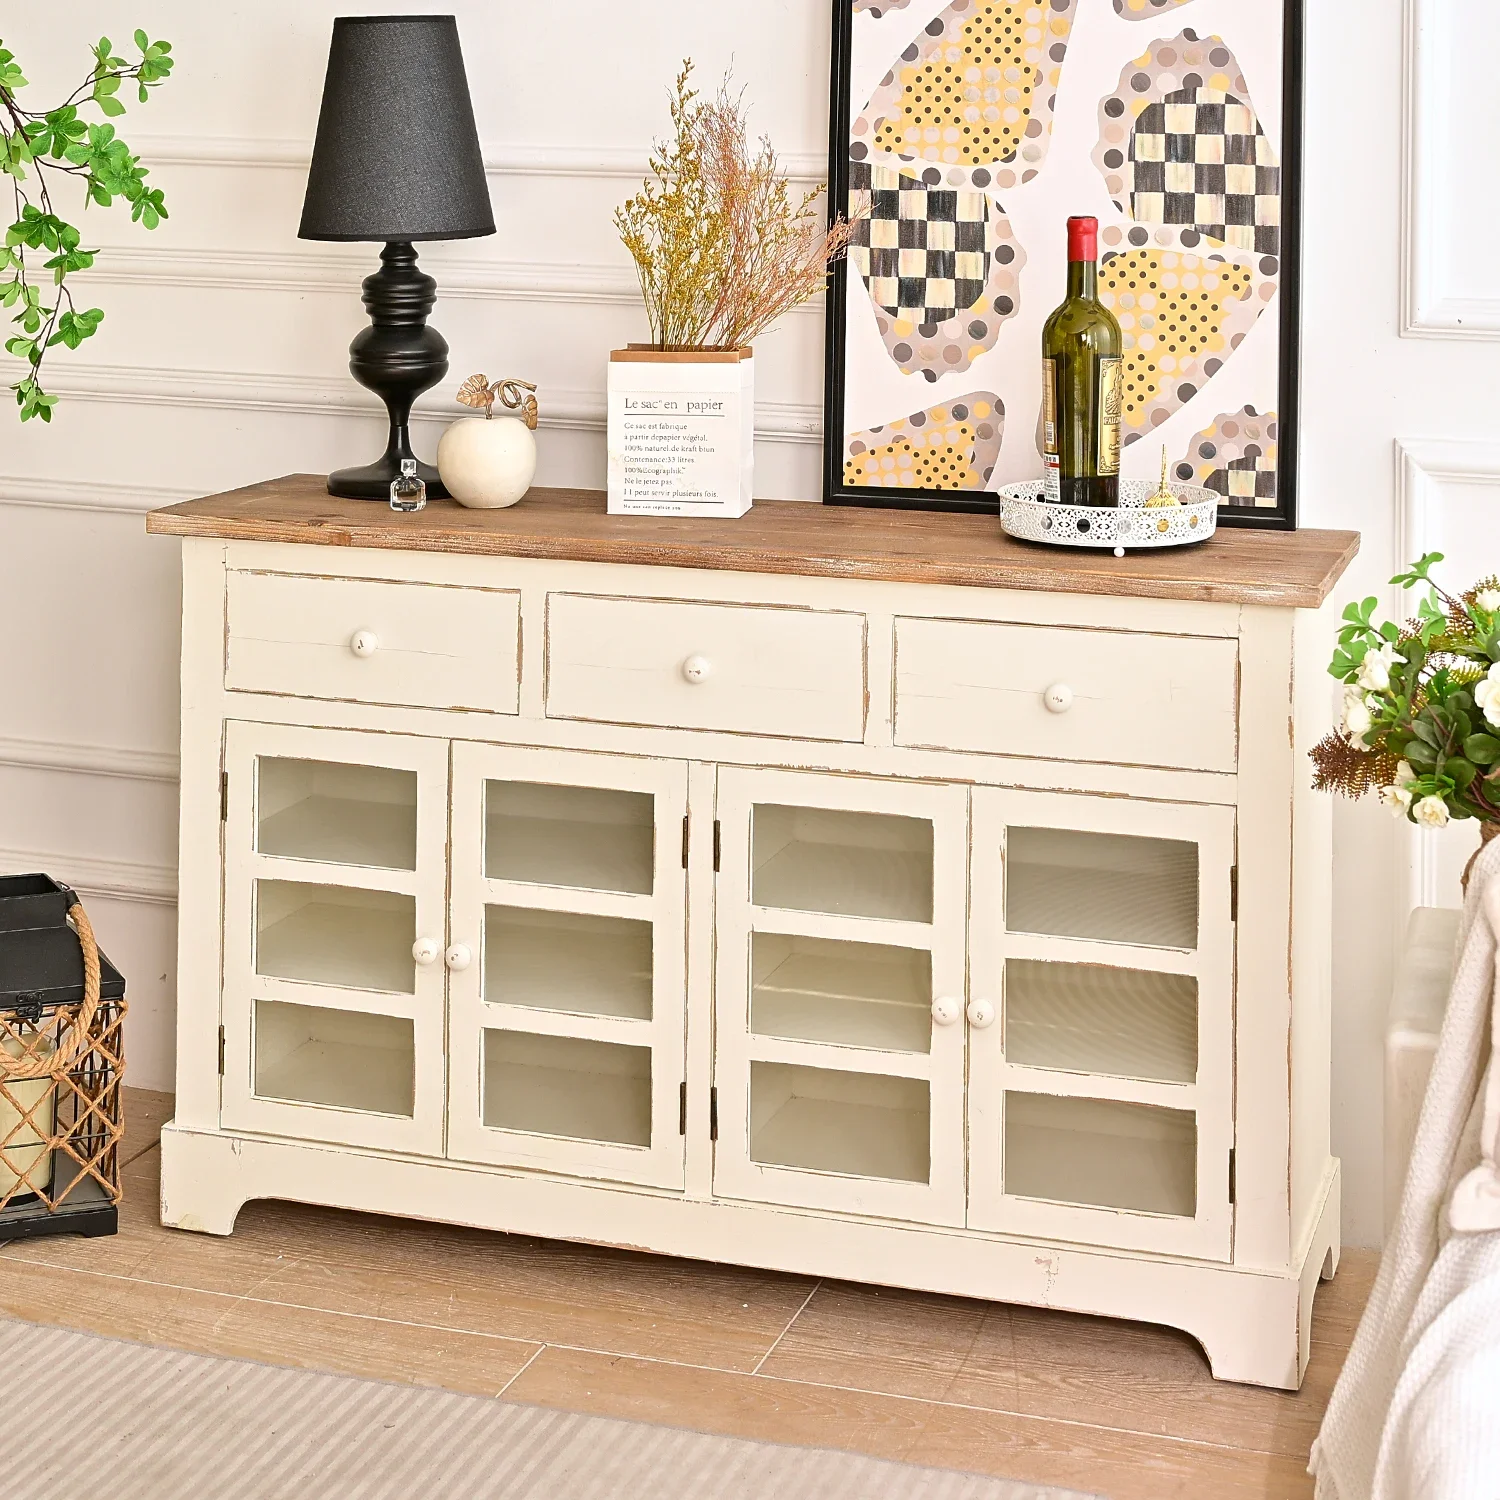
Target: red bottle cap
<point>1083,239</point>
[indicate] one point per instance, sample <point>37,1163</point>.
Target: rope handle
<point>76,1033</point>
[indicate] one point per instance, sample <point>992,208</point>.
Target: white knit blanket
<point>1416,1412</point>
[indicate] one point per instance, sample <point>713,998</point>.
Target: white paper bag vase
<point>681,432</point>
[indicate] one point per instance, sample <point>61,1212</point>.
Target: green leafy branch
<point>39,148</point>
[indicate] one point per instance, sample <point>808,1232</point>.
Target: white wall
<point>222,361</point>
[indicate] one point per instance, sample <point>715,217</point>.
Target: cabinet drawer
<point>414,645</point>
<point>1146,700</point>
<point>790,672</point>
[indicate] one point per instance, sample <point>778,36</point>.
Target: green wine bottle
<point>1082,383</point>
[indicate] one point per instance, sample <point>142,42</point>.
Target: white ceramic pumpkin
<point>487,462</point>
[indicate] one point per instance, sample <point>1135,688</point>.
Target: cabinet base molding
<point>1254,1325</point>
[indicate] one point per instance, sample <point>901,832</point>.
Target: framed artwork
<point>964,134</point>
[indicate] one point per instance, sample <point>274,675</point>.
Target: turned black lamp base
<point>398,357</point>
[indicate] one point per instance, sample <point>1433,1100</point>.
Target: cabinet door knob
<point>697,669</point>
<point>981,1014</point>
<point>458,958</point>
<point>946,1010</point>
<point>364,643</point>
<point>1058,698</point>
<point>425,951</point>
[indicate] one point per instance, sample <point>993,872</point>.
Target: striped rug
<point>132,1422</point>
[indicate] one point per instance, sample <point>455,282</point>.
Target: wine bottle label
<point>1111,393</point>
<point>1052,478</point>
<point>1049,405</point>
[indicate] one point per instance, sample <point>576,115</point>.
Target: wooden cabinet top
<point>1295,569</point>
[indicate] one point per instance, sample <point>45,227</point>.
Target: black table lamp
<point>396,159</point>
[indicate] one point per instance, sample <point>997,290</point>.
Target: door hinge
<point>684,841</point>
<point>718,845</point>
<point>221,1052</point>
<point>1234,893</point>
<point>223,796</point>
<point>682,1109</point>
<point>713,1113</point>
<point>1231,1174</point>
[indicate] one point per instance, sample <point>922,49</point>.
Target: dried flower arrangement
<point>1421,706</point>
<point>722,247</point>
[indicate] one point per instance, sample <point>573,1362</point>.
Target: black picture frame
<point>1283,517</point>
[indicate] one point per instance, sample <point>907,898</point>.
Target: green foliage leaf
<point>74,328</point>
<point>1422,757</point>
<point>1461,771</point>
<point>1482,749</point>
<point>1419,572</point>
<point>11,77</point>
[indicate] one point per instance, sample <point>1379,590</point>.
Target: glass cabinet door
<point>567,996</point>
<point>839,996</point>
<point>1101,1097</point>
<point>335,849</point>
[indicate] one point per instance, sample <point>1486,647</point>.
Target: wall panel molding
<point>120,761</point>
<point>113,879</point>
<point>324,395</point>
<point>88,495</point>
<point>1437,174</point>
<point>595,162</point>
<point>467,279</point>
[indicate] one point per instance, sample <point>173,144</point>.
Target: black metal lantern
<point>396,160</point>
<point>62,1054</point>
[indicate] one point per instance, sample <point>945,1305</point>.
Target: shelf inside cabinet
<point>1088,1018</point>
<point>585,965</point>
<point>567,1086</point>
<point>849,994</point>
<point>335,935</point>
<point>1101,1153</point>
<point>842,863</point>
<point>585,838</point>
<point>309,1054</point>
<point>1107,887</point>
<point>853,1124</point>
<point>336,814</point>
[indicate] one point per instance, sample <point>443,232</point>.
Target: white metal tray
<point>1026,515</point>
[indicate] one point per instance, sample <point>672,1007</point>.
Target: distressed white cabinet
<point>847,894</point>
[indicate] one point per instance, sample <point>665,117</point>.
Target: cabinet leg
<point>1330,1264</point>
<point>1265,1338</point>
<point>200,1183</point>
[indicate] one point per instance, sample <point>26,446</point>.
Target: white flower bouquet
<point>1421,718</point>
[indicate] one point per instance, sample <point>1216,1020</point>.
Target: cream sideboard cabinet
<point>838,892</point>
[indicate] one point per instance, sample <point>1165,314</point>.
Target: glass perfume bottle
<point>408,493</point>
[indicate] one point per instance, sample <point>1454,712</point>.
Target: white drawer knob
<point>697,669</point>
<point>981,1014</point>
<point>425,951</point>
<point>364,643</point>
<point>458,958</point>
<point>946,1010</point>
<point>1058,698</point>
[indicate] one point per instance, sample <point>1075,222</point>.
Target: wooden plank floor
<point>1111,1408</point>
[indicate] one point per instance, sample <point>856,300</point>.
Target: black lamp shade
<point>397,155</point>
